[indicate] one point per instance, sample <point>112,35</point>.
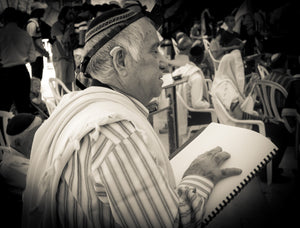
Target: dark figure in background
<point>230,37</point>
<point>62,48</point>
<point>34,29</point>
<point>16,49</point>
<point>248,33</point>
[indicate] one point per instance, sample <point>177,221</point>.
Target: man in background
<point>34,29</point>
<point>16,49</point>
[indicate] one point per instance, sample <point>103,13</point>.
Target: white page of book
<point>246,147</point>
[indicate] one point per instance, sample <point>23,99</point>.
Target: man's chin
<point>158,91</point>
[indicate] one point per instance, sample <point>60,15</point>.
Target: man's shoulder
<point>119,130</point>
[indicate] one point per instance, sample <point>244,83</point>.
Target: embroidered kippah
<point>106,20</point>
<point>120,18</point>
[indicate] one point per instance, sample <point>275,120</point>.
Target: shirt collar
<point>137,103</point>
<point>139,106</point>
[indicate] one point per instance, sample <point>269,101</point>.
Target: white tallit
<point>228,85</point>
<point>78,114</point>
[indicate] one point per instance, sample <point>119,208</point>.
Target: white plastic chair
<point>58,89</point>
<point>209,86</point>
<point>4,141</point>
<point>204,110</point>
<point>267,91</point>
<point>50,104</point>
<point>263,72</point>
<point>250,123</point>
<point>215,61</point>
<point>5,117</point>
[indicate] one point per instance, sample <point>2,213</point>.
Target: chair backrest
<point>207,48</point>
<point>222,112</point>
<point>263,72</point>
<point>58,89</point>
<point>50,104</point>
<point>183,124</point>
<point>4,118</point>
<point>210,110</point>
<point>269,93</point>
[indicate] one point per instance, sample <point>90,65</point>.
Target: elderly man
<point>97,162</point>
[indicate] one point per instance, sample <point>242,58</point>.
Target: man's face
<point>145,75</point>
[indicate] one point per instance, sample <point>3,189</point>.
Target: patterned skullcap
<point>118,18</point>
<point>109,19</point>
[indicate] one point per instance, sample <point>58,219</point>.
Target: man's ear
<point>118,54</point>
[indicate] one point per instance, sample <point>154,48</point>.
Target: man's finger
<point>228,172</point>
<point>221,157</point>
<point>214,150</point>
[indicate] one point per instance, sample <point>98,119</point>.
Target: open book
<point>249,151</point>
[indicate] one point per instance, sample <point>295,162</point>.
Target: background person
<point>34,29</point>
<point>64,36</point>
<point>229,37</point>
<point>16,49</point>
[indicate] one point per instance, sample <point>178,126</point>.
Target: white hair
<point>131,39</point>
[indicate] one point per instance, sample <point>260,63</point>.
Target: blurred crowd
<point>66,38</point>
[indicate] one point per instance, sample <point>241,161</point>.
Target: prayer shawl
<point>228,85</point>
<point>78,114</point>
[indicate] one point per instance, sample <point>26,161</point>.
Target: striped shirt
<point>115,181</point>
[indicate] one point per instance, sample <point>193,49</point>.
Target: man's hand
<point>208,165</point>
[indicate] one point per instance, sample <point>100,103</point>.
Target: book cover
<point>249,150</point>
